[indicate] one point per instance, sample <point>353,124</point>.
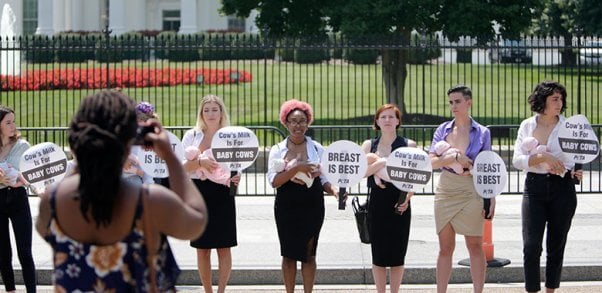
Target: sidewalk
<point>343,260</point>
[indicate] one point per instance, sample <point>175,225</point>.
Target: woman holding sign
<point>299,205</point>
<point>221,229</point>
<point>14,206</point>
<point>458,206</point>
<point>549,198</point>
<point>389,219</point>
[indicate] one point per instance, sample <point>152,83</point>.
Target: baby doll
<point>443,148</point>
<point>219,175</point>
<point>280,165</point>
<point>14,177</point>
<point>531,146</point>
<point>381,174</point>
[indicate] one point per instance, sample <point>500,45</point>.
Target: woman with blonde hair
<point>221,229</point>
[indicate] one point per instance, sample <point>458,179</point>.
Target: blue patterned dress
<point>118,267</point>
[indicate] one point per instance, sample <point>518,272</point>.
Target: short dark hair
<point>542,91</point>
<point>460,88</point>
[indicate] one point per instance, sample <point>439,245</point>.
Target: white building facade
<point>48,17</point>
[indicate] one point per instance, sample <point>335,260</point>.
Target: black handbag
<point>361,217</point>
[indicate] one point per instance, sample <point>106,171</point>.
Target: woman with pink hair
<point>298,207</point>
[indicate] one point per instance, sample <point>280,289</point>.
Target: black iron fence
<point>345,79</point>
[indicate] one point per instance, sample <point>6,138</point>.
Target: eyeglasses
<point>302,123</point>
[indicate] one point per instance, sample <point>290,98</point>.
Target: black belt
<point>567,175</point>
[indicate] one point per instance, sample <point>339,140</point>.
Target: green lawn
<point>341,94</point>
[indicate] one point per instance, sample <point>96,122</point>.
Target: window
<point>171,20</point>
<point>30,17</point>
<point>236,24</point>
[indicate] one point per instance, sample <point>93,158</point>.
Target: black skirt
<point>299,214</point>
<point>389,231</point>
<point>221,227</point>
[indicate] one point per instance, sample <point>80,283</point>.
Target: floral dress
<point>118,267</point>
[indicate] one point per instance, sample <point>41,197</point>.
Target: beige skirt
<point>458,203</point>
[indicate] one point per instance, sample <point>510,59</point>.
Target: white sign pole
<point>344,164</point>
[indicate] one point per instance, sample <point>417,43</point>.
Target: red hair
<point>382,109</point>
<point>292,105</point>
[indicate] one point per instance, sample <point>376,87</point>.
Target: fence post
<point>107,33</point>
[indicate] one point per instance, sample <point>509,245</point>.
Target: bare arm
<point>43,220</point>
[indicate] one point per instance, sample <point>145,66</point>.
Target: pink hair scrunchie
<point>292,105</point>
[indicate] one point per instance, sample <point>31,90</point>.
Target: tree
<point>393,18</point>
<point>569,18</point>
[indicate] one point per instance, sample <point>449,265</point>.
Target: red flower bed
<point>93,78</point>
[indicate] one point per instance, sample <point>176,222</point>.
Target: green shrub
<point>213,46</point>
<point>361,56</point>
<point>311,50</point>
<point>422,49</point>
<point>335,42</point>
<point>178,48</point>
<point>75,48</point>
<point>250,46</point>
<point>40,49</point>
<point>464,55</point>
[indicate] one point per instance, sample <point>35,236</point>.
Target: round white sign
<point>409,168</point>
<point>235,147</point>
<point>43,164</point>
<point>489,174</point>
<point>578,140</point>
<point>153,165</point>
<point>344,163</point>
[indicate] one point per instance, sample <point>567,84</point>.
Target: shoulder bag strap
<point>149,240</point>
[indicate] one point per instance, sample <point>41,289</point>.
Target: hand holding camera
<point>151,135</point>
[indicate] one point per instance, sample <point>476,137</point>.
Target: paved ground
<point>569,287</point>
<point>344,263</point>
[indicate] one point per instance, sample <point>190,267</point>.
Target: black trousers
<point>14,207</point>
<point>548,200</point>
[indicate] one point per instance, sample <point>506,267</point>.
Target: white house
<point>185,16</point>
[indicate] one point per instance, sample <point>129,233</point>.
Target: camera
<point>141,132</point>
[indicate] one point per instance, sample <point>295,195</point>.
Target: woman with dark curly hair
<point>549,197</point>
<point>104,230</point>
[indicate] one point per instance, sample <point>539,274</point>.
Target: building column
<point>117,17</point>
<point>45,19</point>
<point>58,13</point>
<point>140,17</point>
<point>77,15</point>
<point>188,17</point>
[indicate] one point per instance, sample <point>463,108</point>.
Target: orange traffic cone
<point>492,262</point>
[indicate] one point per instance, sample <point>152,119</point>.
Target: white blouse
<point>278,151</point>
<point>520,160</point>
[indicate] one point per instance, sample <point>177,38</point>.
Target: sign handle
<point>575,179</point>
<point>342,199</point>
<point>233,187</point>
<point>486,206</point>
